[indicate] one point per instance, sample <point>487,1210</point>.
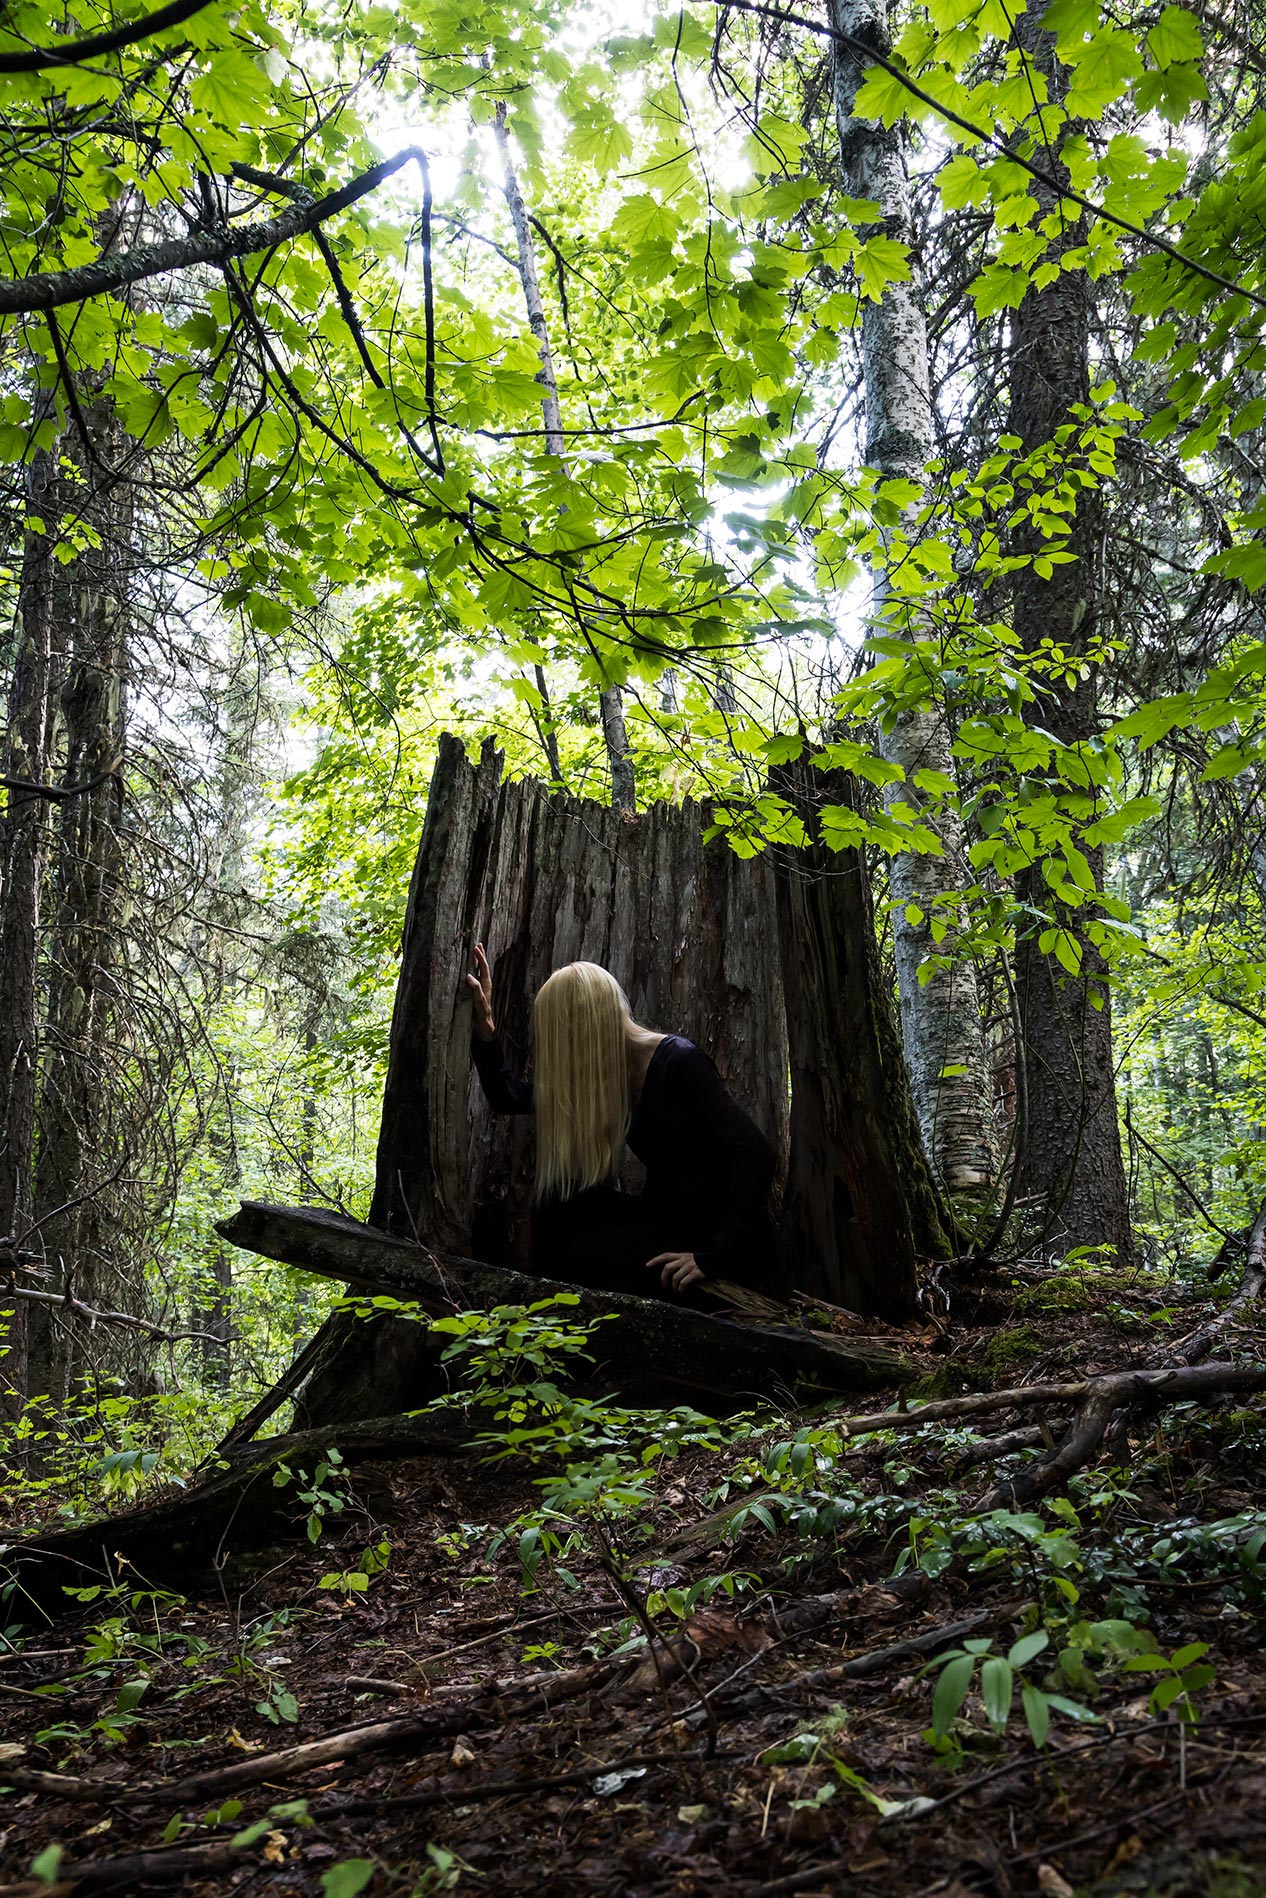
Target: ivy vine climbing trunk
<point>1072,1156</point>
<point>611,699</point>
<point>941,1017</point>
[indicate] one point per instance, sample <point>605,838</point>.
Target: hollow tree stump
<point>775,975</point>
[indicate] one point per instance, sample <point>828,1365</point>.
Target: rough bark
<point>28,756</point>
<point>542,880</point>
<point>74,1135</point>
<point>860,1207</point>
<point>940,1018</point>
<point>610,700</point>
<point>689,929</point>
<point>1072,1155</point>
<point>692,933</point>
<point>109,275</point>
<point>646,1342</point>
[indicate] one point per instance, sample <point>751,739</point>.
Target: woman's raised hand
<point>480,986</point>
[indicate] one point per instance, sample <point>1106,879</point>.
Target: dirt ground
<point>776,1738</point>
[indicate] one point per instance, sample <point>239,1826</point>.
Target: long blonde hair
<point>582,1079</point>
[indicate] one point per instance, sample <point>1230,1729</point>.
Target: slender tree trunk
<point>28,755</point>
<point>610,701</point>
<point>79,1134</point>
<point>940,1018</point>
<point>1072,1157</point>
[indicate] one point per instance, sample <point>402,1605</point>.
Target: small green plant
<point>139,1634</point>
<point>809,1749</point>
<point>46,1866</point>
<point>355,1580</point>
<point>324,1492</point>
<point>999,1676</point>
<point>1184,1674</point>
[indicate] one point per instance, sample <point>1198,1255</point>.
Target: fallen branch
<point>1198,1344</point>
<point>465,1791</point>
<point>644,1337</point>
<point>139,1871</point>
<point>1173,1383</point>
<point>439,1720</point>
<point>858,1668</point>
<point>1102,1398</point>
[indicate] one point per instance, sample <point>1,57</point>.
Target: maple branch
<point>863,50</point>
<point>48,289</point>
<point>72,51</point>
<point>269,181</point>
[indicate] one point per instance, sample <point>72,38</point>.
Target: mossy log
<point>237,1507</point>
<point>640,1340</point>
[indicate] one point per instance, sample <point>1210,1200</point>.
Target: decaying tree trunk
<point>860,1206</point>
<point>693,934</point>
<point>689,929</point>
<point>365,1367</point>
<point>941,1018</point>
<point>640,1339</point>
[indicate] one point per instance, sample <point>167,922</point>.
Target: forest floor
<point>778,1739</point>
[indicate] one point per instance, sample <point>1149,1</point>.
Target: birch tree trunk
<point>610,701</point>
<point>1072,1156</point>
<point>940,1019</point>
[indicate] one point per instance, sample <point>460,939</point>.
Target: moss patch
<point>1014,1346</point>
<point>1062,1292</point>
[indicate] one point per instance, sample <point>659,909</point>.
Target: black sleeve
<point>742,1246</point>
<point>504,1092</point>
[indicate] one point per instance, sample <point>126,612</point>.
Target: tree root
<point>1104,1398</point>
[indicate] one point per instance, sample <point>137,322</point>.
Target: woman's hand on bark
<point>678,1270</point>
<point>480,986</point>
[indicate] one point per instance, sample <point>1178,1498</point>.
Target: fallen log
<point>447,1713</point>
<point>641,1340</point>
<point>136,1871</point>
<point>238,1506</point>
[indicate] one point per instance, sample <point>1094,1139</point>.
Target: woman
<point>602,1080</point>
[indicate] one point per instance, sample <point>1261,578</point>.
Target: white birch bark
<point>610,702</point>
<point>940,1019</point>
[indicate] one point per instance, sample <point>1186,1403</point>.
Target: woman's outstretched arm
<point>503,1089</point>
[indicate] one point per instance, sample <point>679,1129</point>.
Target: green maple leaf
<point>1175,39</point>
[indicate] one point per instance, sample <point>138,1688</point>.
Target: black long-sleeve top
<point>709,1168</point>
